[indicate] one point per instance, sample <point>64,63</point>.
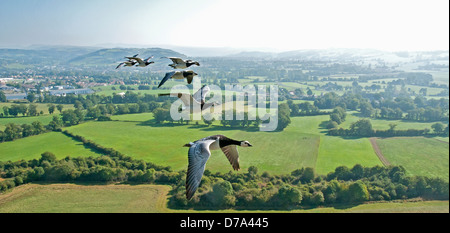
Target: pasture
<point>383,124</point>
<point>420,156</point>
<point>32,147</point>
<point>70,198</point>
<point>163,144</point>
<point>302,144</point>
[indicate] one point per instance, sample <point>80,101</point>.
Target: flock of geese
<point>178,63</point>
<point>200,150</point>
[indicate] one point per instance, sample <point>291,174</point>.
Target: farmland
<point>304,143</point>
<point>143,140</point>
<point>71,198</point>
<point>33,147</point>
<point>420,156</point>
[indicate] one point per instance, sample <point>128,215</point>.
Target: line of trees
<point>82,169</point>
<point>15,131</point>
<point>300,188</point>
<point>304,188</point>
<point>305,109</point>
<point>376,106</point>
<point>363,128</point>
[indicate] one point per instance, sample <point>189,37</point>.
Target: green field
<point>420,156</point>
<point>44,119</point>
<point>303,144</point>
<point>163,144</point>
<point>32,147</point>
<point>382,124</point>
<point>25,120</point>
<point>40,107</point>
<point>336,151</point>
<point>70,198</point>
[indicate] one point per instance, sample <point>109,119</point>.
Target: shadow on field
<point>203,127</point>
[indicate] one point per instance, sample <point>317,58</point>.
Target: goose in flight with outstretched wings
<point>199,153</point>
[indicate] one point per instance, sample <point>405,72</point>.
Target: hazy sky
<point>279,24</point>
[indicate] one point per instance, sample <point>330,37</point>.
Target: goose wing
<point>146,60</point>
<point>120,65</point>
<point>139,60</point>
<point>200,95</point>
<point>186,98</point>
<point>189,75</point>
<point>232,155</point>
<point>167,77</point>
<point>198,155</point>
<point>176,60</point>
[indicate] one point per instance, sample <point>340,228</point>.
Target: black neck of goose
<point>228,142</point>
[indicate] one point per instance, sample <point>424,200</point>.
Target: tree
<point>340,112</point>
<point>32,110</point>
<point>288,195</point>
<point>334,117</point>
<point>93,112</point>
<point>31,97</point>
<point>55,124</point>
<point>6,111</point>
<point>70,117</point>
<point>252,171</point>
<point>222,194</point>
<point>317,198</point>
<point>12,132</point>
<point>47,156</point>
<point>3,97</point>
<point>38,127</point>
<point>51,108</point>
<point>60,107</point>
<point>161,115</point>
<point>366,109</point>
<point>358,192</point>
<point>307,175</point>
<point>283,116</point>
<point>438,128</point>
<point>361,128</point>
<point>332,125</point>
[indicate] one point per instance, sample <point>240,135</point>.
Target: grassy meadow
<point>419,156</point>
<point>162,144</point>
<point>303,143</point>
<point>45,118</point>
<point>70,198</point>
<point>32,147</point>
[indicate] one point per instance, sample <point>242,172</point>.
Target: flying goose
<point>179,63</point>
<point>142,63</point>
<point>189,75</point>
<point>129,62</point>
<point>199,153</point>
<point>198,98</point>
<point>126,63</point>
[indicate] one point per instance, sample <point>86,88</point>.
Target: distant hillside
<point>349,55</point>
<point>116,55</point>
<point>43,56</point>
<point>79,56</point>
